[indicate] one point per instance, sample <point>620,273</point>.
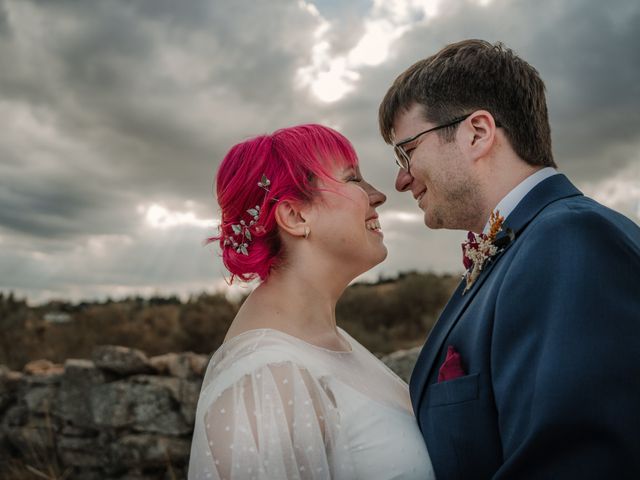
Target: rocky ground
<point>120,415</point>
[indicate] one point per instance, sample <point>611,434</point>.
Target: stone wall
<point>120,415</point>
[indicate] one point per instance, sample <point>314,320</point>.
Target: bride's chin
<point>380,256</point>
<point>370,262</point>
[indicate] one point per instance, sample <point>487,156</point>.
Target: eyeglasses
<point>403,158</point>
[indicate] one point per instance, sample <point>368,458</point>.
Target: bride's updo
<point>255,176</point>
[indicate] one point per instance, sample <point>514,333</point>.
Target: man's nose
<point>403,180</point>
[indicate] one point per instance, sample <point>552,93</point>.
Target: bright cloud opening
<point>329,77</point>
<point>157,216</point>
<point>397,216</point>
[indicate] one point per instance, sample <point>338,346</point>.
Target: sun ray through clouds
<point>330,77</point>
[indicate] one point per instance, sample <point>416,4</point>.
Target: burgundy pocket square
<point>452,366</point>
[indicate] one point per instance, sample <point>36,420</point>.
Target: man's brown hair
<point>476,75</point>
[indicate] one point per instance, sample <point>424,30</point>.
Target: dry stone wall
<point>120,415</point>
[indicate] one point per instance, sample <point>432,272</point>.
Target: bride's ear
<point>291,217</point>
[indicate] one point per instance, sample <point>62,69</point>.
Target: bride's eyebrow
<point>348,170</point>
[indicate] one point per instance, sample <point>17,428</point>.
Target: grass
<point>41,460</point>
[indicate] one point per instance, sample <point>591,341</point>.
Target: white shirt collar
<point>511,200</point>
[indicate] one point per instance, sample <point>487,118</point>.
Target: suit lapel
<point>546,192</point>
<point>446,322</point>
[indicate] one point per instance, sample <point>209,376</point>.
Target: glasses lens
<point>402,159</point>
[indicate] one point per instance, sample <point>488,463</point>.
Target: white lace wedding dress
<point>273,406</point>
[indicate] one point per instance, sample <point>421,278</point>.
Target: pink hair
<point>292,159</point>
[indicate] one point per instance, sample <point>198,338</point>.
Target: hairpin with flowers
<point>241,236</point>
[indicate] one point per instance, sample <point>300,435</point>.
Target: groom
<point>533,369</point>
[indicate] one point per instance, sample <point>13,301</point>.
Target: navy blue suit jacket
<point>549,337</point>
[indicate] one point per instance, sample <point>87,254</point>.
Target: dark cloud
<point>4,21</point>
<point>116,105</point>
<point>156,91</point>
<point>585,52</point>
<point>50,207</point>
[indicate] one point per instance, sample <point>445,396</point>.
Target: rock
<point>73,402</point>
<point>145,408</point>
<point>15,415</point>
<point>9,383</point>
<point>171,384</point>
<point>111,405</point>
<point>5,446</point>
<point>72,431</point>
<point>403,361</point>
<point>189,395</point>
<point>13,378</point>
<point>39,391</point>
<point>142,450</point>
<point>185,392</point>
<point>181,365</point>
<point>42,367</point>
<point>160,363</point>
<point>122,360</point>
<point>86,473</point>
<point>81,371</point>
<point>39,398</point>
<point>82,452</point>
<point>33,442</point>
<point>34,436</point>
<point>199,364</point>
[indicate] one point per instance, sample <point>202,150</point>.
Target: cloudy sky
<point>116,114</point>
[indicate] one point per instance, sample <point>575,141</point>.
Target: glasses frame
<point>403,159</point>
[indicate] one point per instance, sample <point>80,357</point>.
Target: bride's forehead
<point>342,165</point>
<point>339,172</point>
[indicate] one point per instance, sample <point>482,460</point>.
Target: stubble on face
<point>459,208</point>
<point>457,197</point>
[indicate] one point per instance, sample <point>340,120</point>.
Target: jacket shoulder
<point>583,216</point>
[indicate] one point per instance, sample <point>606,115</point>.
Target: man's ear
<point>481,133</point>
<point>291,218</point>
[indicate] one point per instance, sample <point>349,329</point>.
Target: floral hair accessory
<point>480,249</point>
<point>264,182</point>
<point>241,236</point>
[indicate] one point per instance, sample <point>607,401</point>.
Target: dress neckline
<point>342,333</point>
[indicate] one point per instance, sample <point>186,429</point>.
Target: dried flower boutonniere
<point>479,249</point>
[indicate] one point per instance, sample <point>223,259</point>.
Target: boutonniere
<point>480,249</point>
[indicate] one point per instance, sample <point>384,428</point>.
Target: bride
<point>289,394</point>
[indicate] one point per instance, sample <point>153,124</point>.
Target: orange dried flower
<point>495,220</point>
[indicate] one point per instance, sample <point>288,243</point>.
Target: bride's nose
<point>376,197</point>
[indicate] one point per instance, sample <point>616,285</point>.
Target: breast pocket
<point>459,390</point>
<point>460,425</point>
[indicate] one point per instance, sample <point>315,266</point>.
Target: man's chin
<point>433,222</point>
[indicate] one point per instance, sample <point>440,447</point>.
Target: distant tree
<point>384,316</point>
<point>205,321</point>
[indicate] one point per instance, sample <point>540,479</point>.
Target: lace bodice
<point>274,406</point>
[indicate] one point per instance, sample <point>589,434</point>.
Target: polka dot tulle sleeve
<point>276,422</point>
